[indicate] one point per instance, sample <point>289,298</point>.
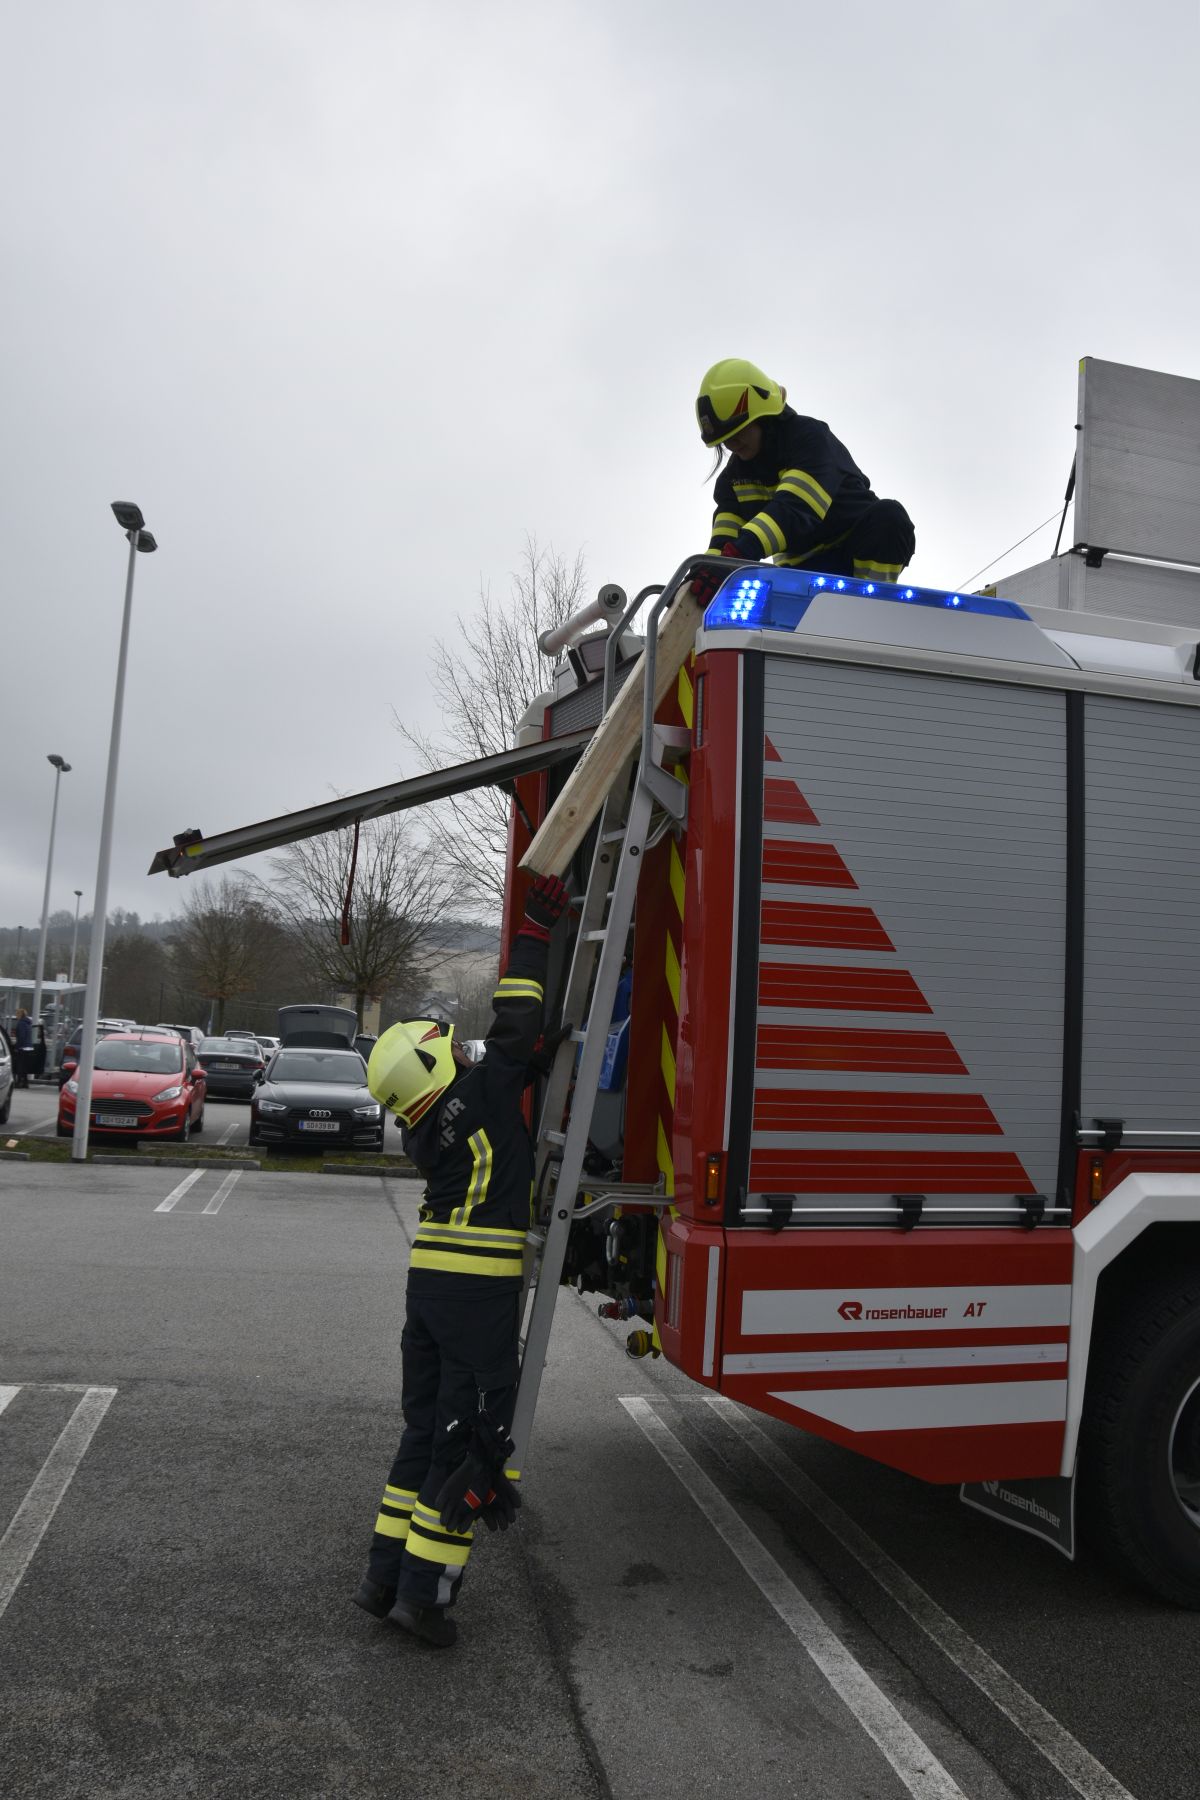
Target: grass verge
<point>58,1150</point>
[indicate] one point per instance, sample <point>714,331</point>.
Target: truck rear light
<point>674,1289</point>
<point>1096,1180</point>
<point>712,1181</point>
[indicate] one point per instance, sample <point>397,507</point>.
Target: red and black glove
<point>707,580</point>
<point>479,1487</point>
<point>545,904</point>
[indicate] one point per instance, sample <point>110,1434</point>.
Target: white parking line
<point>42,1125</point>
<point>7,1394</point>
<point>911,1758</point>
<point>219,1198</point>
<point>228,1133</point>
<point>1077,1766</point>
<point>51,1482</point>
<point>176,1194</point>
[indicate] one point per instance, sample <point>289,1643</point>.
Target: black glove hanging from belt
<point>479,1488</point>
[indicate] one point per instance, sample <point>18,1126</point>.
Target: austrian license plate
<point>114,1119</point>
<point>235,1067</point>
<point>318,1124</point>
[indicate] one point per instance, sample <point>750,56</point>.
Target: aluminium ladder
<point>596,965</point>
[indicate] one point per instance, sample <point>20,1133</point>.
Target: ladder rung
<point>555,1137</point>
<point>577,1037</point>
<point>594,937</point>
<point>613,837</point>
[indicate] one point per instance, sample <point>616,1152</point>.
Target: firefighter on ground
<point>791,490</point>
<point>463,1128</point>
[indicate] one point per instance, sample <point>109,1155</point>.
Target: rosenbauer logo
<point>854,1309</point>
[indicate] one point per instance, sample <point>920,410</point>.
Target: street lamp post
<point>129,518</point>
<point>61,768</point>
<point>75,932</point>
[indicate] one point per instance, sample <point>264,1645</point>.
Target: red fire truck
<point>907,1150</point>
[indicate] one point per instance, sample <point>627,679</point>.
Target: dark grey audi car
<point>316,1099</point>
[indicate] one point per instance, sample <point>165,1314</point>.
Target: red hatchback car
<point>146,1084</point>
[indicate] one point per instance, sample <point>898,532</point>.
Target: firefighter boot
<point>374,1598</point>
<point>431,1624</point>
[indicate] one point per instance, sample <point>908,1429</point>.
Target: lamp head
<point>63,767</point>
<point>147,541</point>
<point>128,515</point>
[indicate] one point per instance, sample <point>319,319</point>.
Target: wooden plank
<point>569,819</point>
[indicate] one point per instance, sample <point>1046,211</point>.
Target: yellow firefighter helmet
<point>411,1065</point>
<point>732,395</point>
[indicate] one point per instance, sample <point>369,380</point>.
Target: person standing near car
<point>464,1129</point>
<point>23,1035</point>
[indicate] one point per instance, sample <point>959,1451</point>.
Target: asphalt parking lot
<point>197,1409</point>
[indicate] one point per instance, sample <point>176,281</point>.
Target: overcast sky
<point>350,297</point>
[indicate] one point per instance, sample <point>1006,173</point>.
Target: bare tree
<point>485,680</point>
<point>226,943</point>
<point>399,894</point>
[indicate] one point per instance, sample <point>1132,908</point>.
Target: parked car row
<point>306,1088</point>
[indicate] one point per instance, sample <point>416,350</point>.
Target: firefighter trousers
<point>459,1352</point>
<point>876,549</point>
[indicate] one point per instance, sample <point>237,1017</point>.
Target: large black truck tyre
<point>1139,1472</point>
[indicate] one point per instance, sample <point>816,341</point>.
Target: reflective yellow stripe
<point>676,873</point>
<point>496,1237</point>
<point>447,1262</point>
<point>673,972</point>
<point>668,1064</point>
<point>481,1174</point>
<point>683,690</point>
<point>790,487</point>
<point>768,533</point>
<point>516,986</point>
<point>727,524</point>
<point>660,1262</point>
<point>443,1547</point>
<point>388,1525</point>
<point>513,1474</point>
<point>809,481</point>
<point>752,490</point>
<point>866,571</point>
<point>403,1496</point>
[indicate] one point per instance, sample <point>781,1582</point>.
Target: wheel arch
<point>1149,1222</point>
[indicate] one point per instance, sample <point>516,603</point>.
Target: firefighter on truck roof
<point>463,1128</point>
<point>792,491</point>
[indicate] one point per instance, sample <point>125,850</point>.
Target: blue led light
<point>778,598</point>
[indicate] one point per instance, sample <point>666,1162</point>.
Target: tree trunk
<point>360,1001</point>
<point>219,1026</point>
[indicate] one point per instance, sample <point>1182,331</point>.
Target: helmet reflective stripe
<point>411,1065</point>
<point>732,395</point>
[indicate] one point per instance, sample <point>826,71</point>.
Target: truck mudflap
<point>1044,1508</point>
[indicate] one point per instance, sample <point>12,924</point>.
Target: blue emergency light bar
<point>766,598</point>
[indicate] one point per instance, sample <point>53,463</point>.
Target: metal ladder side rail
<point>652,785</point>
<point>586,951</point>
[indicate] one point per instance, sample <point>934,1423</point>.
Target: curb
<point>357,1169</point>
<point>178,1162</point>
<point>14,1155</point>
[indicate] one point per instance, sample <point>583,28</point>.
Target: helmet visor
<point>713,429</point>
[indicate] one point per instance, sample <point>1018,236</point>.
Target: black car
<point>234,1067</point>
<point>319,1099</point>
